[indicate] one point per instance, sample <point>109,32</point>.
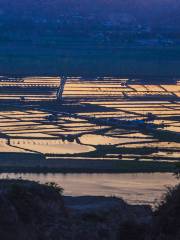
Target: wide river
<point>135,188</point>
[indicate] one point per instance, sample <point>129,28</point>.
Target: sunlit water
<point>134,188</point>
<point>29,129</point>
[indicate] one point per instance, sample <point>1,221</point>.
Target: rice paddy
<point>111,119</point>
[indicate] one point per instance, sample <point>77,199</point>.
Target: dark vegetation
<point>79,166</point>
<point>29,210</point>
<point>167,216</point>
<point>177,171</point>
<point>33,211</point>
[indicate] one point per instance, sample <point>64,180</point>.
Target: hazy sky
<point>152,10</point>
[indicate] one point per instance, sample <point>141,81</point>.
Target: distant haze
<point>152,11</point>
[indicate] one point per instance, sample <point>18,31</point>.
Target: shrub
<point>133,231</point>
<point>167,216</point>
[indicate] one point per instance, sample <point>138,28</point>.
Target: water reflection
<point>78,125</point>
<point>134,188</point>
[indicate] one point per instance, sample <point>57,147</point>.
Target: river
<point>141,188</point>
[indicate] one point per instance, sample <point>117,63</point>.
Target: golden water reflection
<point>79,127</point>
<point>134,188</point>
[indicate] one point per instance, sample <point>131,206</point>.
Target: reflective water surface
<point>134,188</point>
<point>84,122</point>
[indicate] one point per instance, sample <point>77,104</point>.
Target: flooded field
<point>95,119</point>
<point>134,188</point>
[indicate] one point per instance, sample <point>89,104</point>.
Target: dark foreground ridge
<point>31,211</point>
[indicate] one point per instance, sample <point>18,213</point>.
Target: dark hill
<point>32,211</point>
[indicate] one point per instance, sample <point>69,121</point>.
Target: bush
<point>167,216</point>
<point>177,172</point>
<point>133,231</point>
<point>31,211</point>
